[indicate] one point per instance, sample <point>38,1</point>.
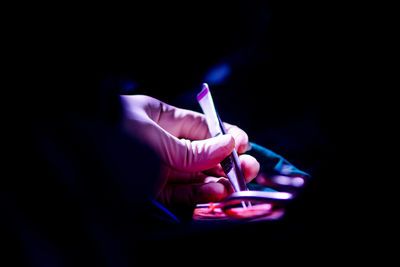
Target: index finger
<point>192,125</point>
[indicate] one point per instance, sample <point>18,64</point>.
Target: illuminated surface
<point>257,212</point>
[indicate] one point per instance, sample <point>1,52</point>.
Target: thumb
<point>199,155</point>
<point>181,154</point>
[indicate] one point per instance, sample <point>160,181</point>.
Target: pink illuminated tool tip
<point>203,92</point>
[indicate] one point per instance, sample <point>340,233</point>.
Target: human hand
<point>191,172</point>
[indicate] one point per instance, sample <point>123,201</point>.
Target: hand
<point>191,172</point>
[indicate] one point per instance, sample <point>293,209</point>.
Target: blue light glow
<point>218,74</point>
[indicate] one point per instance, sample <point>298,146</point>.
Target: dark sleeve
<point>271,164</point>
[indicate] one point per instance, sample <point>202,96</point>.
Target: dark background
<point>286,80</point>
<point>287,72</point>
<point>285,77</point>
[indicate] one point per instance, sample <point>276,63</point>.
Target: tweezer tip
<point>203,92</point>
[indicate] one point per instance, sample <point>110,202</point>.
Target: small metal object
<point>262,204</point>
<point>231,164</point>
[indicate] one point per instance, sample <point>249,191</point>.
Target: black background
<point>294,87</point>
<point>291,88</point>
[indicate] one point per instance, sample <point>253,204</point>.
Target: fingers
<point>250,167</point>
<point>199,155</point>
<point>192,125</point>
<point>212,190</point>
<point>160,126</point>
<point>181,123</point>
<point>175,176</point>
<point>180,154</point>
<point>241,138</point>
<point>209,192</point>
<point>188,189</point>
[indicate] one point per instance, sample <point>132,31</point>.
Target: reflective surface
<point>244,205</point>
